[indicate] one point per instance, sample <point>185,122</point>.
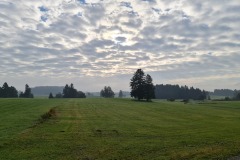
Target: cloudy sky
<point>94,43</point>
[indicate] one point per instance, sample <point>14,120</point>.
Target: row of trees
<point>235,97</point>
<point>176,92</point>
<point>141,87</point>
<point>107,92</point>
<point>11,92</point>
<point>69,92</point>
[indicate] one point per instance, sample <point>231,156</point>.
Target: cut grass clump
<point>51,113</point>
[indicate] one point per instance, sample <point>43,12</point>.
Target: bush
<point>227,99</point>
<point>59,95</point>
<point>171,99</point>
<point>185,101</point>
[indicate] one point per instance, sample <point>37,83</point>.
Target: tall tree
<point>66,91</point>
<point>5,90</point>
<point>137,84</point>
<point>149,88</point>
<point>120,95</point>
<point>50,96</point>
<point>107,92</point>
<point>27,93</point>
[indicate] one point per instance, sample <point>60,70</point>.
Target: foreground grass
<point>118,129</point>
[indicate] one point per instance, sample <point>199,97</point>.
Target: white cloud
<point>97,38</point>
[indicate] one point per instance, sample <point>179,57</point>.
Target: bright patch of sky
<point>94,43</point>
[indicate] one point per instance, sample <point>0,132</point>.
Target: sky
<point>97,43</point>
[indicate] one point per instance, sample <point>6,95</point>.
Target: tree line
<point>141,85</point>
<point>69,92</point>
<point>179,92</point>
<point>7,91</point>
<point>107,92</point>
<point>224,92</point>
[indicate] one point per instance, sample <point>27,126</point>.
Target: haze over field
<point>93,43</point>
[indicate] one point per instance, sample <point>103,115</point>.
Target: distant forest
<point>224,92</point>
<point>179,92</point>
<point>161,92</point>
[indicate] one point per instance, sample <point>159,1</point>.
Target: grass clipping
<point>51,113</point>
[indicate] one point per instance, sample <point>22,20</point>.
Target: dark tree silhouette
<point>8,92</point>
<point>80,94</point>
<point>71,92</point>
<point>50,96</point>
<point>142,86</point>
<point>120,95</point>
<point>5,90</point>
<point>107,92</point>
<point>27,93</point>
<point>176,92</point>
<point>137,85</point>
<point>236,95</point>
<point>149,88</point>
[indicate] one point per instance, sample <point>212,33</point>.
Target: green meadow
<point>98,128</point>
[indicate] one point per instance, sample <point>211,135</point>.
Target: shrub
<point>171,99</point>
<point>185,101</point>
<point>227,99</point>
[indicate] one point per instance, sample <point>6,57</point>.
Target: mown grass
<point>118,129</point>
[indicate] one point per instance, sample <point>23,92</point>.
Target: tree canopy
<point>107,92</point>
<point>71,92</point>
<point>149,88</point>
<point>27,93</point>
<point>142,86</point>
<point>8,92</point>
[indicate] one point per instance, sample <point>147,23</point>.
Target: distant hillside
<point>45,90</point>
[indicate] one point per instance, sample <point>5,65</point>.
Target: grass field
<point>118,129</point>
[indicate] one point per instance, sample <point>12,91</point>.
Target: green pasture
<point>97,128</point>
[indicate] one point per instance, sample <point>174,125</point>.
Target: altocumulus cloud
<point>61,41</point>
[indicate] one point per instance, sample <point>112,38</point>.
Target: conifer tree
<point>50,96</point>
<point>137,84</point>
<point>149,88</point>
<point>142,86</point>
<point>120,95</point>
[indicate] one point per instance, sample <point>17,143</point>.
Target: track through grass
<point>119,129</point>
